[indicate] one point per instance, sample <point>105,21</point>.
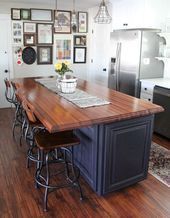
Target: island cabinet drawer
<point>147,88</point>
<point>126,153</point>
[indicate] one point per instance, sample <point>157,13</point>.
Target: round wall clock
<point>29,55</point>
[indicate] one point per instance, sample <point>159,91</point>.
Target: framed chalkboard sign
<point>29,55</point>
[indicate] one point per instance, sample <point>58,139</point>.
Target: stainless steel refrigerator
<point>132,57</point>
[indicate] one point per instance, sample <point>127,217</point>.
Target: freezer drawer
<point>161,96</point>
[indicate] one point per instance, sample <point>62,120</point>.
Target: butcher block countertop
<point>57,114</point>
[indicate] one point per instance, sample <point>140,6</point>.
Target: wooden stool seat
<point>45,141</point>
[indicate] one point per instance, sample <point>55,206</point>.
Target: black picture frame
<point>79,56</point>
<point>29,39</point>
<point>29,27</point>
<point>82,22</point>
<point>80,40</point>
<point>15,14</point>
<point>44,34</point>
<point>41,14</point>
<point>25,14</point>
<point>64,20</point>
<point>44,55</point>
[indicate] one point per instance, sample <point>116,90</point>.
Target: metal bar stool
<point>18,119</point>
<point>9,94</point>
<point>54,149</point>
<point>11,98</point>
<point>30,123</point>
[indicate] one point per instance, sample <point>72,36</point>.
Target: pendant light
<point>102,16</point>
<point>57,25</point>
<point>74,18</point>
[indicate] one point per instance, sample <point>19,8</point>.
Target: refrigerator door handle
<point>118,53</point>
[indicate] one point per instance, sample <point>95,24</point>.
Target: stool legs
<point>17,118</point>
<point>44,180</point>
<point>47,182</point>
<point>76,178</point>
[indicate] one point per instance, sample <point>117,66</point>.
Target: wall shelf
<point>163,58</point>
<point>166,36</point>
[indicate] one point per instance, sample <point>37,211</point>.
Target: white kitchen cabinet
<point>147,87</point>
<point>127,14</point>
<point>147,91</point>
<point>139,14</point>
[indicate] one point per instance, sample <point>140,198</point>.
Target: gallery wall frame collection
<point>35,27</point>
<point>48,15</point>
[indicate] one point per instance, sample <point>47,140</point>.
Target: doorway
<point>5,54</point>
<point>99,42</point>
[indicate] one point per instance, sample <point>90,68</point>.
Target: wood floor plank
<point>19,198</point>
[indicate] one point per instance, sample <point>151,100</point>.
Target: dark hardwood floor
<point>19,198</point>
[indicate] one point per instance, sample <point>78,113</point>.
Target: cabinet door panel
<point>127,153</point>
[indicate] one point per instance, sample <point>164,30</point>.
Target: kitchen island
<point>115,138</point>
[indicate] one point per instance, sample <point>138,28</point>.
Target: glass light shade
<point>102,16</point>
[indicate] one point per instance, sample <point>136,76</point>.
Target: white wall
<point>25,70</point>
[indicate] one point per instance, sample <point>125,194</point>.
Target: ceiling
<point>84,4</point>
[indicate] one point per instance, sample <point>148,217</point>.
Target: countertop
<point>57,114</point>
<point>163,82</point>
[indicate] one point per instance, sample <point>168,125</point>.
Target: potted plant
<point>65,83</point>
<point>61,68</point>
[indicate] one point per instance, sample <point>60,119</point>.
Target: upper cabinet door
<point>139,14</point>
<point>127,14</point>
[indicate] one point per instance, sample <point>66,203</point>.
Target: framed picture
<point>80,40</point>
<point>82,22</point>
<point>44,55</point>
<point>29,39</point>
<point>29,27</point>
<point>44,33</point>
<point>17,33</point>
<point>64,21</point>
<point>15,14</point>
<point>41,14</point>
<point>63,49</point>
<point>25,14</point>
<point>79,55</point>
